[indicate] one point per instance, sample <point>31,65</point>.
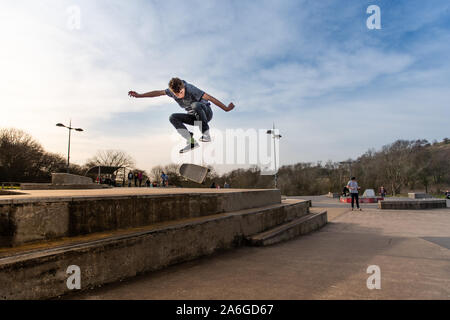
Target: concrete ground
<point>411,248</point>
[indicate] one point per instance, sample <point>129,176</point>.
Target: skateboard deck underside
<point>193,172</point>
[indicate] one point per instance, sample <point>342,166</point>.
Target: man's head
<point>353,179</point>
<point>176,85</point>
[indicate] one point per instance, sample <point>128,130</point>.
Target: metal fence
<point>10,185</point>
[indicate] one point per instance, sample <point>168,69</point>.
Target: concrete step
<point>290,230</point>
<point>37,216</point>
<point>412,204</point>
<point>49,186</point>
<point>39,271</point>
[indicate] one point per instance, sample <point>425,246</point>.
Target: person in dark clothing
<point>345,191</point>
<point>135,179</point>
<point>140,177</point>
<point>130,178</point>
<point>354,192</point>
<point>383,192</point>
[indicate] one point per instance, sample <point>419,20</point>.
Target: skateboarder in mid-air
<point>195,102</point>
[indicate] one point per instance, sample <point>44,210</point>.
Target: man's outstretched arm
<point>150,94</point>
<point>218,103</point>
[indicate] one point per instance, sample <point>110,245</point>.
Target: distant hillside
<point>400,166</point>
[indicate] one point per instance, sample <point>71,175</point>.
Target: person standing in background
<point>382,192</point>
<point>135,179</point>
<point>345,191</point>
<point>130,178</point>
<point>140,178</point>
<point>166,180</point>
<point>352,185</point>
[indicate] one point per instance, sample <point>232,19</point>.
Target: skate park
<point>411,247</point>
<point>180,151</point>
<point>119,233</point>
<point>225,244</point>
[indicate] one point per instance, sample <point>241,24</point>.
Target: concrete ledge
<point>361,199</point>
<point>48,186</point>
<point>61,181</point>
<point>333,195</point>
<point>412,204</point>
<point>31,220</point>
<point>7,192</point>
<point>41,274</point>
<point>290,230</point>
<point>419,196</point>
<point>67,179</point>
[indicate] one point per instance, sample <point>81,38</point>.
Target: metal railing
<point>9,185</point>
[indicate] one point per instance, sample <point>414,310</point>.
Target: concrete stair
<point>290,230</point>
<point>31,218</point>
<point>38,269</point>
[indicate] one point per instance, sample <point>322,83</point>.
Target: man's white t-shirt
<point>353,186</point>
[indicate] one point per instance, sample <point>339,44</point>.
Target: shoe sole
<point>194,147</point>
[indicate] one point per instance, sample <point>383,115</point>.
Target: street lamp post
<point>274,136</point>
<point>68,149</point>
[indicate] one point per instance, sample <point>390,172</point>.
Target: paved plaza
<point>411,248</point>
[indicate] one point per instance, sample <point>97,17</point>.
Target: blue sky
<point>333,87</point>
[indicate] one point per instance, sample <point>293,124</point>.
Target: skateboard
<point>193,172</point>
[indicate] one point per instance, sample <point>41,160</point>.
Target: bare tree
<point>20,156</point>
<point>171,170</point>
<point>111,158</point>
<point>396,158</point>
<point>155,173</point>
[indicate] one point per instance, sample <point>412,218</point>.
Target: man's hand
<point>230,107</point>
<point>150,94</point>
<point>133,94</point>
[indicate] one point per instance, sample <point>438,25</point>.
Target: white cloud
<point>277,62</point>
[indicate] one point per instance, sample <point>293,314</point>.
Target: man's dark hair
<point>176,85</point>
<point>353,178</point>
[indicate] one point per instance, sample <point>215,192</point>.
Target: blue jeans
<point>201,112</point>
